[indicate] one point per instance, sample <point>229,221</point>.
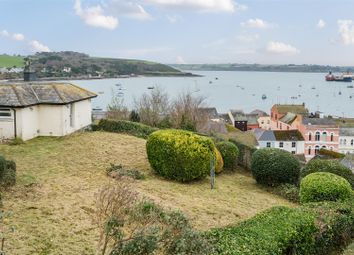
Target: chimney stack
<point>28,73</point>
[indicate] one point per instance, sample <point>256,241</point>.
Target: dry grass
<point>58,177</point>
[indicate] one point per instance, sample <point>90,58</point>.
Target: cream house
<point>31,109</point>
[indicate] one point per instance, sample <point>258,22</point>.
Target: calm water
<point>238,90</point>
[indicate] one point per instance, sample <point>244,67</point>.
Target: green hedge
<point>274,166</point>
<point>7,172</point>
<point>314,229</point>
<point>230,153</point>
<point>126,127</point>
<point>245,154</point>
<point>331,154</point>
<point>317,187</point>
<point>330,166</point>
<point>180,155</point>
<point>275,231</point>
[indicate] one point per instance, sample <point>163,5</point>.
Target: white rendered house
<point>31,109</point>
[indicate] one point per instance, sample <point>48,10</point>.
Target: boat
<point>119,85</point>
<point>293,97</point>
<point>216,78</point>
<point>264,96</point>
<point>120,94</point>
<point>344,77</point>
<point>350,86</point>
<point>340,93</point>
<point>313,87</point>
<point>100,92</point>
<point>151,87</point>
<point>330,76</point>
<point>210,82</point>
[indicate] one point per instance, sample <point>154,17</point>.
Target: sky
<point>184,31</point>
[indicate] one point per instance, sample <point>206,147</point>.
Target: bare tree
<point>153,107</point>
<point>117,109</point>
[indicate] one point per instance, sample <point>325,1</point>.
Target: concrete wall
<point>47,120</point>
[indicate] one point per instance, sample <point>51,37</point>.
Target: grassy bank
<point>52,202</point>
<point>10,61</point>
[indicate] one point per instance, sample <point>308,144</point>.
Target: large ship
<point>345,77</point>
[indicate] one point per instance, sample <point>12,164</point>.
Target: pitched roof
<point>34,93</point>
<point>260,113</point>
<point>210,112</point>
<point>288,135</point>
<point>294,108</point>
<point>252,119</point>
<point>267,135</point>
<point>288,118</point>
<point>346,131</point>
<point>319,121</point>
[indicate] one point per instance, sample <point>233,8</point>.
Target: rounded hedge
<point>330,166</point>
<point>321,186</point>
<point>230,153</point>
<point>219,162</point>
<point>274,166</point>
<point>180,155</point>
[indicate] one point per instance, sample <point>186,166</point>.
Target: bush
<point>126,127</point>
<point>275,166</point>
<point>245,154</point>
<point>330,166</point>
<point>7,172</point>
<point>117,171</point>
<point>180,155</point>
<point>322,186</point>
<point>219,162</point>
<point>288,191</point>
<point>279,230</point>
<point>16,141</point>
<point>230,153</point>
<point>331,154</point>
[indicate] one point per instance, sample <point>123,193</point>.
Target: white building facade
<point>40,109</point>
<point>346,140</point>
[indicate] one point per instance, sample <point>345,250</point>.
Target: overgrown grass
<point>53,199</point>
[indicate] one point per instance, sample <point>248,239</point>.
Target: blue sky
<point>184,31</point>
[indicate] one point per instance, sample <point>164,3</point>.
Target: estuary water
<point>236,90</point>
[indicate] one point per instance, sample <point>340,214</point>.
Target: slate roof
<point>211,112</point>
<point>294,108</point>
<point>267,135</point>
<point>346,131</point>
<point>348,161</point>
<point>319,121</point>
<point>288,135</point>
<point>288,118</point>
<point>260,113</point>
<point>26,94</point>
<point>252,119</point>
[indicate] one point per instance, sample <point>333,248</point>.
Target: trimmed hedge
<point>180,155</point>
<point>330,166</point>
<point>331,154</point>
<point>126,127</point>
<point>230,153</point>
<point>274,166</point>
<point>219,162</point>
<point>7,172</point>
<point>314,229</point>
<point>275,231</point>
<point>317,187</point>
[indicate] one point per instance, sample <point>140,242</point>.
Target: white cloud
<point>4,33</point>
<point>18,37</point>
<point>321,24</point>
<point>346,31</point>
<point>248,38</point>
<point>38,47</point>
<point>257,23</point>
<point>201,5</point>
<point>94,16</point>
<point>128,9</point>
<point>180,60</point>
<point>281,48</point>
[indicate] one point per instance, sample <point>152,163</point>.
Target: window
<point>352,142</point>
<point>293,144</point>
<point>281,144</point>
<point>317,136</point>
<point>331,148</point>
<point>324,147</point>
<point>72,115</point>
<point>293,152</point>
<point>276,116</point>
<point>345,141</point>
<point>310,136</point>
<point>262,122</point>
<point>324,136</point>
<point>309,152</point>
<point>317,149</point>
<point>281,126</point>
<point>268,144</point>
<point>332,137</point>
<point>288,128</point>
<point>5,113</point>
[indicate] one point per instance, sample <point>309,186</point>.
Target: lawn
<point>11,61</point>
<point>52,202</point>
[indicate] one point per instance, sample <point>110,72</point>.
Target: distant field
<point>10,61</point>
<point>57,179</point>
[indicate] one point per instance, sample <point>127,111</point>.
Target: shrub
<point>7,172</point>
<point>116,171</point>
<point>230,153</point>
<point>245,153</point>
<point>330,166</point>
<point>275,166</point>
<point>180,155</point>
<point>321,186</point>
<point>219,162</point>
<point>288,191</point>
<point>275,231</point>
<point>330,154</point>
<point>127,127</point>
<point>16,141</point>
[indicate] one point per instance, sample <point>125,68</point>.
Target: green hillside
<point>11,61</point>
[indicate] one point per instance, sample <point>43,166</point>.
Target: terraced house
<point>346,140</point>
<point>31,109</point>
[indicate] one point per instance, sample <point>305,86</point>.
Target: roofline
<point>44,103</point>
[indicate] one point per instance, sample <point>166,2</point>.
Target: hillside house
<point>264,120</point>
<point>346,140</point>
<point>31,109</point>
<point>243,121</point>
<point>287,117</point>
<point>291,141</point>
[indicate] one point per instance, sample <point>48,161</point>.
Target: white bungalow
<point>31,109</point>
